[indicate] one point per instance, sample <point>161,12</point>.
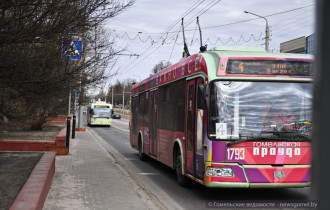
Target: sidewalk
<point>89,178</point>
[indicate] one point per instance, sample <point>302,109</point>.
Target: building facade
<point>299,45</point>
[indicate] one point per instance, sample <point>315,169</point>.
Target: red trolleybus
<point>228,117</point>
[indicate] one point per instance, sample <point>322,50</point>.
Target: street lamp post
<point>267,30</point>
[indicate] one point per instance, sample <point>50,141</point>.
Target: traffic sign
<point>72,50</point>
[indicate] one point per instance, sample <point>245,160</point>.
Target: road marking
<point>117,121</point>
<point>131,159</point>
<point>149,174</point>
<point>120,128</point>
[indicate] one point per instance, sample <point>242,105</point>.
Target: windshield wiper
<point>289,135</point>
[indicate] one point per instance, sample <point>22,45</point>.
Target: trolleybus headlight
<point>220,172</point>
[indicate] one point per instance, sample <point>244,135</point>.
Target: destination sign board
<point>269,67</point>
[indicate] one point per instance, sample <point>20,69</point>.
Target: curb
<point>58,145</point>
<point>81,129</point>
<point>35,190</point>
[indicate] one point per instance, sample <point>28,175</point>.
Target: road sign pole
<point>74,116</point>
<point>67,143</point>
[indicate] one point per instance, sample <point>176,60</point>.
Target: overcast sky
<point>150,28</point>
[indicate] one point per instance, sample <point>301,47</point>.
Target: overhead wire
<point>293,31</point>
<point>237,22</point>
<point>292,23</point>
<point>243,21</point>
<point>173,47</point>
<point>200,12</point>
<point>293,18</point>
<point>289,25</point>
<point>167,32</point>
<point>193,36</point>
<point>192,8</point>
<point>209,6</point>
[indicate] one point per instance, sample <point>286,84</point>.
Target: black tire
<point>142,156</point>
<point>182,179</point>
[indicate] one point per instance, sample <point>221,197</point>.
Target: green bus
<point>99,113</point>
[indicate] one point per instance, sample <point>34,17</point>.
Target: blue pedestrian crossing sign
<point>72,50</point>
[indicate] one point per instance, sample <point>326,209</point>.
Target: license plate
<point>279,174</point>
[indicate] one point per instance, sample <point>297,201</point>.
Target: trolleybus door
<point>199,153</point>
<point>153,122</point>
<point>134,130</point>
<point>190,127</point>
<point>194,154</point>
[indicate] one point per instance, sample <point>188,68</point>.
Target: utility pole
<point>123,96</point>
<point>112,95</point>
<point>267,30</point>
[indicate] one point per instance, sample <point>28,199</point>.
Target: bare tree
<point>34,78</point>
<point>160,66</point>
<point>117,90</point>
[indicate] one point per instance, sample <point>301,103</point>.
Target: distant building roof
<point>297,45</point>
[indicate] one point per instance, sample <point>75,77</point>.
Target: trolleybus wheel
<point>182,179</point>
<point>141,155</point>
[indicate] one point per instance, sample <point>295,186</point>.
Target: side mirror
<point>201,94</point>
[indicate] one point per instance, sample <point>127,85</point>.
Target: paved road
<point>159,180</point>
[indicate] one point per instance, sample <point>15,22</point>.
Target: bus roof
<point>253,52</point>
<point>207,64</point>
<point>100,103</point>
<point>241,49</point>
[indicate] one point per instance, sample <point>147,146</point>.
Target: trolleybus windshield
<point>265,110</point>
<point>97,112</point>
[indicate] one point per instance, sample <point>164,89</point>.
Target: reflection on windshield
<point>241,110</point>
<point>101,112</point>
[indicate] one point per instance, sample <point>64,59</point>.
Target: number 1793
<point>235,153</point>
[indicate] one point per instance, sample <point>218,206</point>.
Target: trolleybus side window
<point>171,106</point>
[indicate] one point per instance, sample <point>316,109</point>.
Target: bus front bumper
<point>256,176</point>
